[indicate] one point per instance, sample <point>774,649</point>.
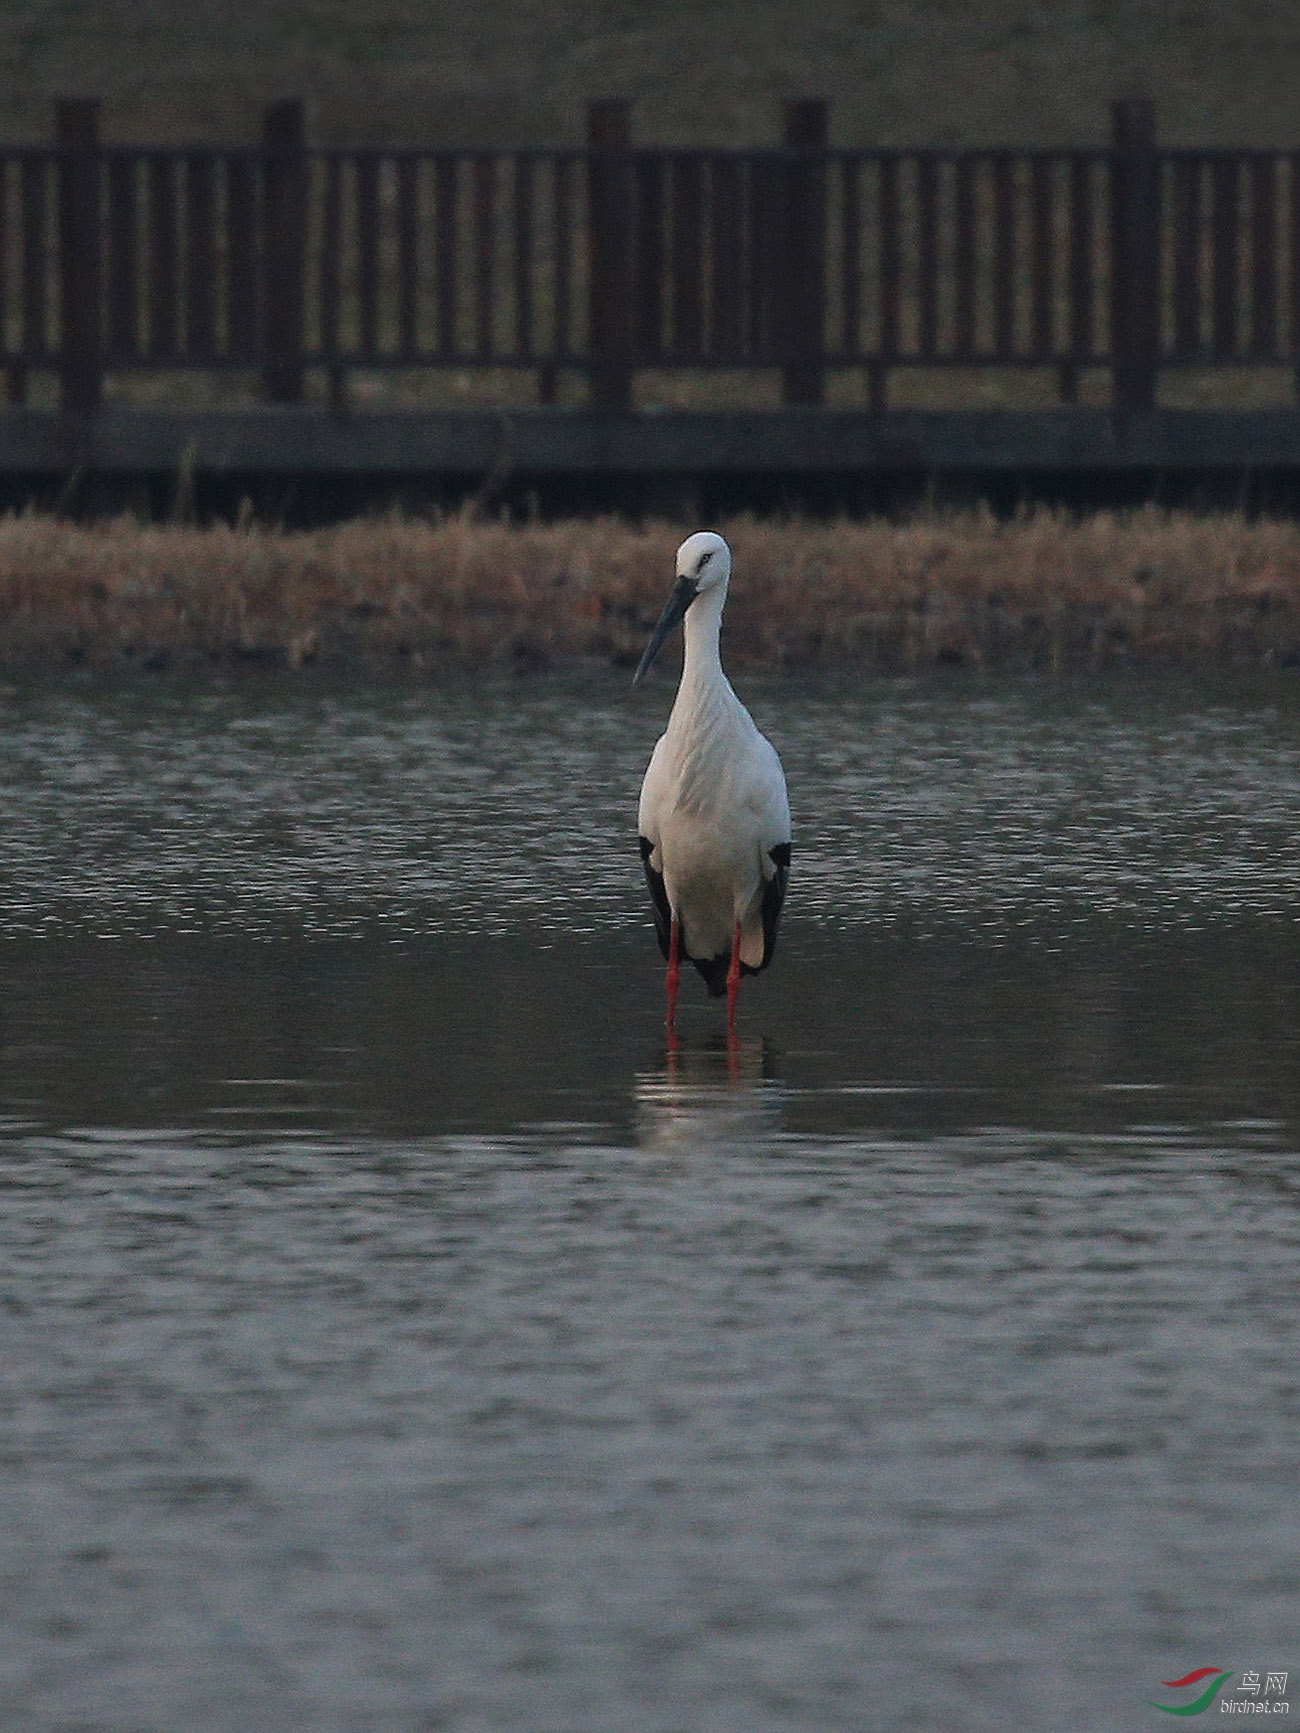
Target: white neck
<point>700,630</point>
<point>706,713</point>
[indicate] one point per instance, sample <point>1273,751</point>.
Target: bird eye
<point>705,557</point>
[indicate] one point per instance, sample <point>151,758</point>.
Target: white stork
<point>714,818</point>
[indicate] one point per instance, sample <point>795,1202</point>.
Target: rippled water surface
<point>393,1338</point>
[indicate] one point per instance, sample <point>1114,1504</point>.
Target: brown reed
<point>1045,589</point>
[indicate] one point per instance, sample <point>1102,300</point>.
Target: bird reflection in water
<point>716,1091</point>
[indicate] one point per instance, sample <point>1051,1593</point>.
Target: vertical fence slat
<point>164,309</point>
<point>200,258</point>
<point>850,257</point>
<point>687,221</point>
<point>1263,275</point>
<point>1080,274</point>
<point>445,229</point>
<point>726,325</point>
<point>1004,256</point>
<point>35,195</point>
<point>408,258</point>
<point>284,250</point>
<point>527,269</point>
<point>331,260</point>
<point>1187,218</point>
<point>803,233</point>
<point>367,184</point>
<point>565,171</point>
<point>650,267</point>
<point>1224,221</point>
<point>927,255</point>
<point>1135,254</point>
<point>760,202</point>
<point>242,260</point>
<point>1043,194</point>
<point>484,251</point>
<point>890,258</point>
<point>964,258</point>
<point>80,255</point>
<point>123,259</point>
<point>525,194</point>
<point>4,258</point>
<point>610,215</point>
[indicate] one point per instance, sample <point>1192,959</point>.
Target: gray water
<point>393,1337</point>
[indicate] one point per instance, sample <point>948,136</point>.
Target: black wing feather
<point>658,896</point>
<point>774,898</point>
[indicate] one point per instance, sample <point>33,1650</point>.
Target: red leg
<point>733,980</point>
<point>674,974</point>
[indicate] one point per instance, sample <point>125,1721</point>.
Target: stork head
<point>703,567</point>
<point>705,559</point>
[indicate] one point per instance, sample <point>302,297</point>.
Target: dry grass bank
<point>1044,590</point>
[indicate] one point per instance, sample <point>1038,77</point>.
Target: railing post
<point>609,137</point>
<point>1135,254</point>
<point>80,255</point>
<point>284,249</point>
<point>801,281</point>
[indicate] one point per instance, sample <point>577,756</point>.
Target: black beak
<point>684,593</point>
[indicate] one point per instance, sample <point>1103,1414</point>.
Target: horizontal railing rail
<point>280,258</point>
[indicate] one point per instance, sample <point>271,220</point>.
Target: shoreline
<point>1045,590</point>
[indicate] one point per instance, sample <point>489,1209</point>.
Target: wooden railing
<point>281,258</point>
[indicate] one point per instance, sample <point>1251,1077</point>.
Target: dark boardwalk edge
<point>290,439</point>
<point>305,465</point>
